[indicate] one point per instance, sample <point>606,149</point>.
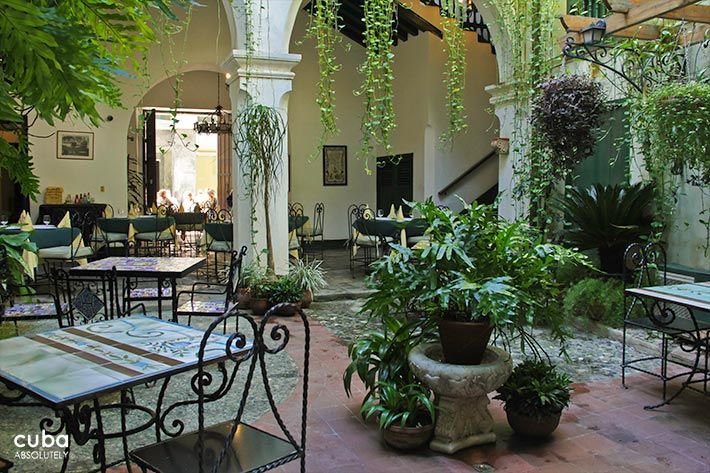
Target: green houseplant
<point>251,275</point>
<point>607,218</point>
<point>405,413</point>
<point>379,358</point>
<point>260,292</point>
<point>535,395</point>
<point>478,273</point>
<point>285,290</point>
<point>309,276</point>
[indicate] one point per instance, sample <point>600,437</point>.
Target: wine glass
<point>3,219</point>
<point>380,213</point>
<point>46,219</point>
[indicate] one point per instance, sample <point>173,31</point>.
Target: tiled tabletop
<point>72,364</point>
<point>693,295</point>
<point>142,266</point>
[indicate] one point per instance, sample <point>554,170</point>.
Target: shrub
<point>598,300</point>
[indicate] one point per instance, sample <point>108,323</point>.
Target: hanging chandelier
<point>216,122</point>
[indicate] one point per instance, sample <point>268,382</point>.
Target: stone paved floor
<point>606,430</point>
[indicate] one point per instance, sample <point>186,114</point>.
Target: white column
<point>504,101</point>
<point>267,80</point>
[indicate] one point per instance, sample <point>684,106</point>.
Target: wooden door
<point>150,163</point>
<point>395,181</point>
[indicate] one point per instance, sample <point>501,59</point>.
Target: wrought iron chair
<point>233,446</point>
<point>19,302</point>
<point>215,307</point>
<point>190,226</point>
<point>316,229</point>
<point>156,236</point>
<point>90,299</point>
<point>645,265</point>
<point>219,237</point>
<point>218,216</point>
<point>295,233</point>
<point>365,240</point>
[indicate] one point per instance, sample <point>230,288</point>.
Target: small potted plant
<point>260,291</point>
<point>284,290</point>
<point>309,277</point>
<point>534,397</point>
<point>251,275</point>
<point>405,413</point>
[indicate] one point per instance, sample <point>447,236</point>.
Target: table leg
<point>160,299</point>
<point>173,293</point>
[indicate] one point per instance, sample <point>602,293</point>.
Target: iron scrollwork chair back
<point>214,445</point>
<point>645,265</point>
<point>89,299</point>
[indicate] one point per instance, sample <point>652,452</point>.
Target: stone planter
<point>258,306</point>
<point>243,297</point>
<point>463,419</point>
<point>307,299</point>
<point>408,438</point>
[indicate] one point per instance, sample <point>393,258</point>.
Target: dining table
<point>74,370</point>
<point>694,330</point>
<point>165,270</point>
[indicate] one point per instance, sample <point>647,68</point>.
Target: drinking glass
<point>380,213</point>
<point>3,219</point>
<point>46,219</point>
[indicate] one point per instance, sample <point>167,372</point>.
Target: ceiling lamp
<point>216,122</point>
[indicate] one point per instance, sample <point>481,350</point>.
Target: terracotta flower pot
<point>258,306</point>
<point>307,299</point>
<point>408,438</point>
<point>533,427</point>
<point>464,343</point>
<point>287,310</point>
<point>243,297</point>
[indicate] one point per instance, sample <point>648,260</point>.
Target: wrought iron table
<point>167,270</point>
<point>690,331</point>
<point>69,369</point>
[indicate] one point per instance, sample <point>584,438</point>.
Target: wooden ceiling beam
<point>575,23</point>
<point>644,11</point>
<point>699,34</point>
<point>693,13</point>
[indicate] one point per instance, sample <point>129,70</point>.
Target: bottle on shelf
<point>76,199</point>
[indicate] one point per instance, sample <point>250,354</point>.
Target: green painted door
<point>609,162</point>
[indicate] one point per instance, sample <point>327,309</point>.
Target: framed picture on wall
<point>75,145</point>
<point>335,165</point>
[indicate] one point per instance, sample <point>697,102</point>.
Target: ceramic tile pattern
<point>76,362</point>
<point>126,264</point>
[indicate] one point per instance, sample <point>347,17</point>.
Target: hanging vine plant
<point>567,115</point>
<point>325,29</point>
<point>378,120</point>
<point>259,144</point>
<point>455,77</point>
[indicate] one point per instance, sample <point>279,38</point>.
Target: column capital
<point>263,65</point>
<point>502,94</point>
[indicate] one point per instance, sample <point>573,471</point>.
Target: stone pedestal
<point>463,419</point>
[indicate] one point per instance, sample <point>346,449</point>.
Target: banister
<point>445,191</point>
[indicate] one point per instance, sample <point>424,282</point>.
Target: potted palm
<point>477,274</point>
<point>535,395</point>
<point>309,277</point>
<point>405,413</point>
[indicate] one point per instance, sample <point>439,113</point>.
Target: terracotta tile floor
<point>605,430</point>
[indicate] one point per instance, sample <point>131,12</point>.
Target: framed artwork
<point>335,165</point>
<point>75,145</point>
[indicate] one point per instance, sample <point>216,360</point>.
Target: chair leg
<point>664,364</point>
<point>623,357</point>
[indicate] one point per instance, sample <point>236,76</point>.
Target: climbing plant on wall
<point>325,29</point>
<point>455,76</point>
<point>529,25</point>
<point>378,120</point>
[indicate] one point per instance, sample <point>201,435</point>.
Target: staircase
<point>479,182</point>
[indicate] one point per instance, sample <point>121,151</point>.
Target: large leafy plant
<point>66,57</point>
<point>607,218</point>
<point>14,246</point>
<point>307,275</point>
<point>476,267</point>
<point>535,388</point>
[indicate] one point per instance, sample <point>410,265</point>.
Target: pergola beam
<point>575,23</point>
<point>644,11</point>
<point>692,13</point>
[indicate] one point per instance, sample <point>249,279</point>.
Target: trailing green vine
<point>455,78</point>
<point>325,29</point>
<point>378,120</point>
